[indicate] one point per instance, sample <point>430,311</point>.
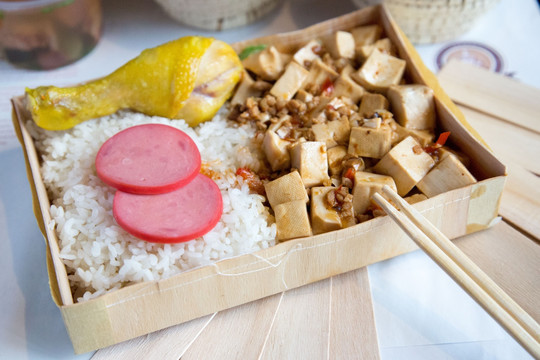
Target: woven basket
<point>217,15</point>
<point>432,21</point>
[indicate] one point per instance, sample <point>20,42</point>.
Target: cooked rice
<point>98,254</point>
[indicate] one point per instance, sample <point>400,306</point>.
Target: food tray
<point>146,307</point>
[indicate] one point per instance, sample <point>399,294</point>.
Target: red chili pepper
<point>252,179</point>
<point>443,137</point>
<point>327,87</point>
<point>349,174</point>
<point>243,172</point>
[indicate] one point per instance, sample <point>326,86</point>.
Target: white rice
<point>99,255</point>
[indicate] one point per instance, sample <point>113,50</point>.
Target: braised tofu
<point>446,151</point>
<point>372,123</point>
<point>383,45</point>
<point>321,132</point>
<point>380,71</point>
<point>369,142</point>
<point>286,188</point>
<point>340,45</point>
<point>424,137</point>
<point>323,217</point>
<point>407,163</point>
<point>340,130</point>
<point>268,64</point>
<point>448,174</point>
<point>355,125</point>
<point>307,53</point>
<point>276,151</point>
<point>372,103</point>
<point>290,82</point>
<point>319,74</point>
<point>345,86</point>
<point>292,220</point>
<point>245,90</point>
<point>335,157</point>
<point>311,160</point>
<point>366,35</point>
<point>365,185</point>
<point>332,133</point>
<point>413,106</point>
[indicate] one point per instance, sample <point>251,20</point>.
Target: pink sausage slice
<point>181,215</point>
<point>148,159</point>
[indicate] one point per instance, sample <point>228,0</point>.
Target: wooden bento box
<point>146,307</point>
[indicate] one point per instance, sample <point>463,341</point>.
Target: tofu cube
<point>321,132</point>
<point>311,160</point>
<point>268,63</point>
<point>365,185</point>
<point>292,220</point>
<point>413,106</point>
<point>276,151</point>
<point>341,45</point>
<point>380,71</point>
<point>345,86</point>
<point>366,35</point>
<point>446,151</point>
<point>424,137</point>
<point>383,45</point>
<point>323,217</point>
<point>407,163</point>
<point>368,142</point>
<point>340,130</point>
<point>448,174</point>
<point>286,188</point>
<point>245,89</point>
<point>335,158</point>
<point>290,82</point>
<point>372,103</point>
<point>307,53</point>
<point>372,123</point>
<point>319,73</point>
<point>332,133</point>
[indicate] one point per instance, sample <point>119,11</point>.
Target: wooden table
<point>334,318</point>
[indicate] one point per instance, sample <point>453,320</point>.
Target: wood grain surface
<point>512,138</point>
<point>498,96</point>
<point>330,318</point>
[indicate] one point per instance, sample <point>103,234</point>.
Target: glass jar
<point>47,34</point>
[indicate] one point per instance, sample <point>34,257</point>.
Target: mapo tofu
<point>338,120</point>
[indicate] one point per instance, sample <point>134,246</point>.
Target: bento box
<point>149,306</point>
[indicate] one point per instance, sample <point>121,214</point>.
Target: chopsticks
<point>464,271</point>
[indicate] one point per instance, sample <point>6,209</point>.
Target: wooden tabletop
<point>334,318</point>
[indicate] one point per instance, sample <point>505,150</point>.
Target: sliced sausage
<point>181,215</point>
<point>148,159</point>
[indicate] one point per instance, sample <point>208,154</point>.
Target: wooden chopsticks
<point>464,271</point>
